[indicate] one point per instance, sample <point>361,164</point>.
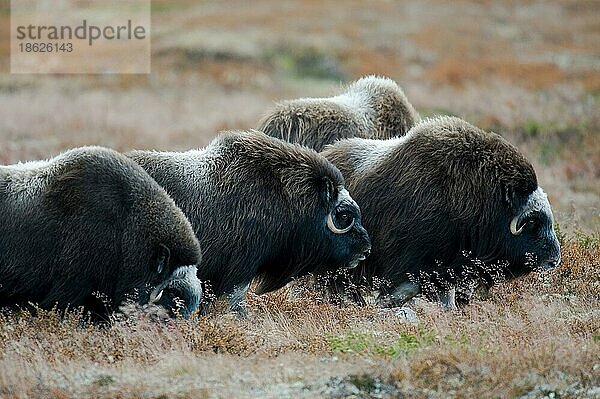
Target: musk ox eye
<point>340,222</point>
<point>343,219</point>
<point>533,223</point>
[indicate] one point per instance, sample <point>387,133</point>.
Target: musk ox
<point>449,205</point>
<point>88,228</point>
<point>262,209</point>
<point>371,107</point>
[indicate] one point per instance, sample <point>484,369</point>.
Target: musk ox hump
<point>298,169</point>
<point>372,107</point>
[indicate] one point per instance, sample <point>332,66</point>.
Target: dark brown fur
<point>87,221</point>
<point>435,200</point>
<point>259,208</point>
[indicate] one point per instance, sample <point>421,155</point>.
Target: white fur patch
<point>358,102</point>
<point>344,196</point>
<point>29,165</point>
<point>25,180</point>
<point>537,202</point>
<point>368,153</point>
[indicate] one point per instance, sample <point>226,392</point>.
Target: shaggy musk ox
<point>449,205</point>
<point>261,208</point>
<point>88,228</point>
<point>371,107</point>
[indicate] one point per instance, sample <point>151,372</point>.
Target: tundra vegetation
<point>526,70</point>
<point>528,338</point>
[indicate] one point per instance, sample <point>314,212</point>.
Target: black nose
<point>552,263</point>
<point>367,252</point>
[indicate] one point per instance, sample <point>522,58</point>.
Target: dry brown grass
<point>457,72</point>
<point>537,335</point>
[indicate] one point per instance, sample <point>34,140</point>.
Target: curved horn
<point>513,226</point>
<point>156,294</point>
<point>334,229</point>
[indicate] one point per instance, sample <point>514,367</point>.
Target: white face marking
<point>344,196</point>
<point>537,202</point>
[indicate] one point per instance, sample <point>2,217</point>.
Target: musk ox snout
<point>364,245</point>
<point>360,255</point>
<point>366,253</point>
<point>554,258</point>
<point>181,291</point>
<point>359,245</point>
<point>552,263</point>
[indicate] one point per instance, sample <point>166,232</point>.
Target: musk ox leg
<point>399,296</point>
<point>341,288</point>
<point>357,298</point>
<point>448,298</point>
<point>465,292</point>
<point>237,300</point>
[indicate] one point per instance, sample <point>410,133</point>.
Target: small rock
<point>408,314</point>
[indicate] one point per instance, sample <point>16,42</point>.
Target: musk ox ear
<point>326,190</point>
<point>161,259</point>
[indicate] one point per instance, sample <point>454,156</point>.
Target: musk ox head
<point>312,222</point>
<point>175,285</point>
<point>526,243</point>
<point>181,293</point>
<point>512,228</point>
<point>348,239</point>
<point>327,240</point>
<point>531,243</point>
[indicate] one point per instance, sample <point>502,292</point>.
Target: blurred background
<point>529,70</point>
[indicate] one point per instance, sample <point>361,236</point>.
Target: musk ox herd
<point>355,183</point>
